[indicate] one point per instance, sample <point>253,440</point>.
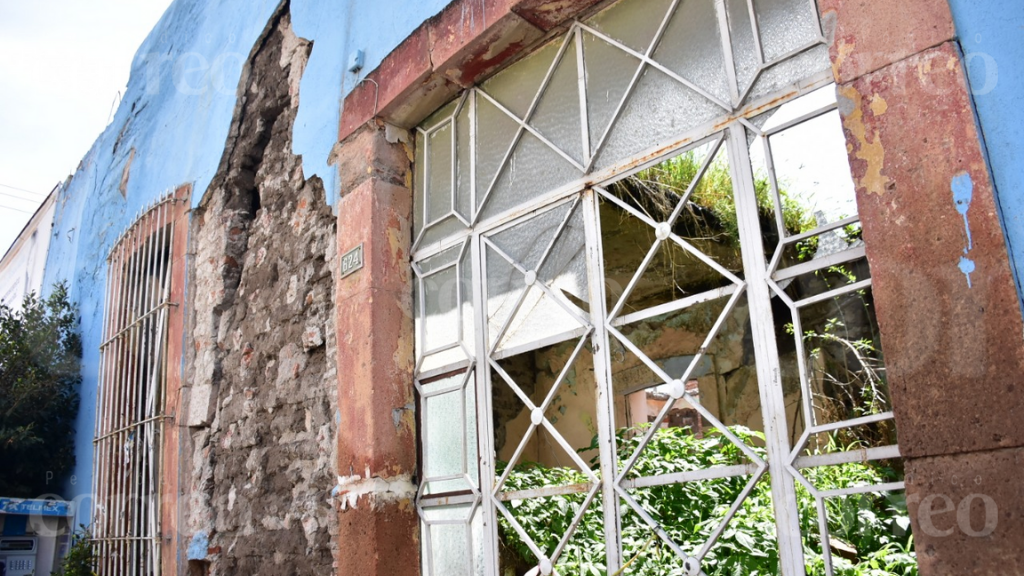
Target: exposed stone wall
<point>258,458</point>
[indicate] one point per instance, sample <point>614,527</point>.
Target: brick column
<point>945,297</point>
<point>378,526</point>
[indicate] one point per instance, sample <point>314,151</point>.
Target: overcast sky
<point>62,64</point>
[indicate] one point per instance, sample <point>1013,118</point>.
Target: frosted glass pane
<point>533,169</point>
<point>565,268</point>
<point>495,133</point>
<point>539,319</point>
<point>442,115</point>
<point>540,316</point>
<point>557,116</point>
<point>609,71</point>
<point>812,166</point>
<point>454,549</point>
<point>525,242</point>
<point>432,263</point>
<point>447,435</point>
<point>418,186</point>
<point>692,48</point>
<point>505,285</point>
<point>785,25</point>
<point>439,178</point>
<point>443,311</point>
<point>464,168</point>
<point>790,72</point>
<point>633,22</point>
<point>516,86</point>
<point>744,47</point>
<point>659,110</point>
<point>442,230</point>
<point>468,313</point>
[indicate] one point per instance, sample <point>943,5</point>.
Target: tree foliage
<point>40,353</point>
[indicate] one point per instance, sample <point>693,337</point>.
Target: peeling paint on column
<point>868,149</point>
<point>963,191</point>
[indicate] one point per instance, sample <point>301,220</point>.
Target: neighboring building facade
<point>22,267</point>
<point>319,337</point>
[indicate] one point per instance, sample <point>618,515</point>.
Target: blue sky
<point>62,65</point>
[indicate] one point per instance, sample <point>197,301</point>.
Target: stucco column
<point>378,525</point>
<point>945,297</point>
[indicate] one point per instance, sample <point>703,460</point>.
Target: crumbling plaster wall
<point>258,460</point>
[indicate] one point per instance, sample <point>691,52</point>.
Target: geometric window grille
<point>643,235</point>
<point>130,407</point>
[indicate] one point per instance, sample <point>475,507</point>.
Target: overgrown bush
<point>79,559</point>
<point>874,526</point>
<point>40,353</point>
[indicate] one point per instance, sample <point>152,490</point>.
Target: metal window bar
<point>760,284</point>
<point>129,409</point>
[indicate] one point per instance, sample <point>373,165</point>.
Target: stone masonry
<point>258,456</point>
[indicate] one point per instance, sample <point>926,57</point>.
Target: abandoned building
<point>506,287</point>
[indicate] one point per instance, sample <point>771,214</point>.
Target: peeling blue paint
<point>199,545</point>
<point>176,114</point>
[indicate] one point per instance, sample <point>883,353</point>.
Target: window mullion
<point>603,378</point>
<point>485,411</point>
<point>787,519</point>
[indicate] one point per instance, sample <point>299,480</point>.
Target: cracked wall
<point>258,458</point>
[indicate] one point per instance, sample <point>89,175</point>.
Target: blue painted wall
<point>337,29</point>
<point>176,113</point>
<point>992,36</point>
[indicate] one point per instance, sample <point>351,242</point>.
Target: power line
<point>16,209</point>
<point>37,200</point>
<point>22,190</point>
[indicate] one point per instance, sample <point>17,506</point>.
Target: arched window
<point>645,334</point>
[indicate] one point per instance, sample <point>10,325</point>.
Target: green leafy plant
<point>658,189</point>
<point>79,559</point>
<point>40,353</point>
<point>873,525</point>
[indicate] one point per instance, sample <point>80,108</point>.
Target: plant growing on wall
<point>40,352</point>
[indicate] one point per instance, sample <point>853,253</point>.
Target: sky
<point>63,64</point>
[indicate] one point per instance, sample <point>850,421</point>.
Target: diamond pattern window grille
<point>555,268</point>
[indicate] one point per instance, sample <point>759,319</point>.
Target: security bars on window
<point>511,182</point>
<point>129,410</point>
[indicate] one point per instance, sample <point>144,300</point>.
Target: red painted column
<point>946,302</point>
<point>170,485</point>
<point>378,525</point>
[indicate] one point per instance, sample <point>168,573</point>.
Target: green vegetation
<point>873,527</point>
<point>40,353</point>
<point>657,191</point>
<point>80,556</point>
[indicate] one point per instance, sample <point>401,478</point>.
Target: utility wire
<point>36,200</point>
<point>21,189</point>
<point>16,209</point>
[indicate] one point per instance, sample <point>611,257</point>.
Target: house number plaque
<point>352,261</point>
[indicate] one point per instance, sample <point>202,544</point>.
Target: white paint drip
<point>376,489</point>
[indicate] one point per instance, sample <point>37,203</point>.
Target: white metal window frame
<point>130,405</point>
<point>761,282</point>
